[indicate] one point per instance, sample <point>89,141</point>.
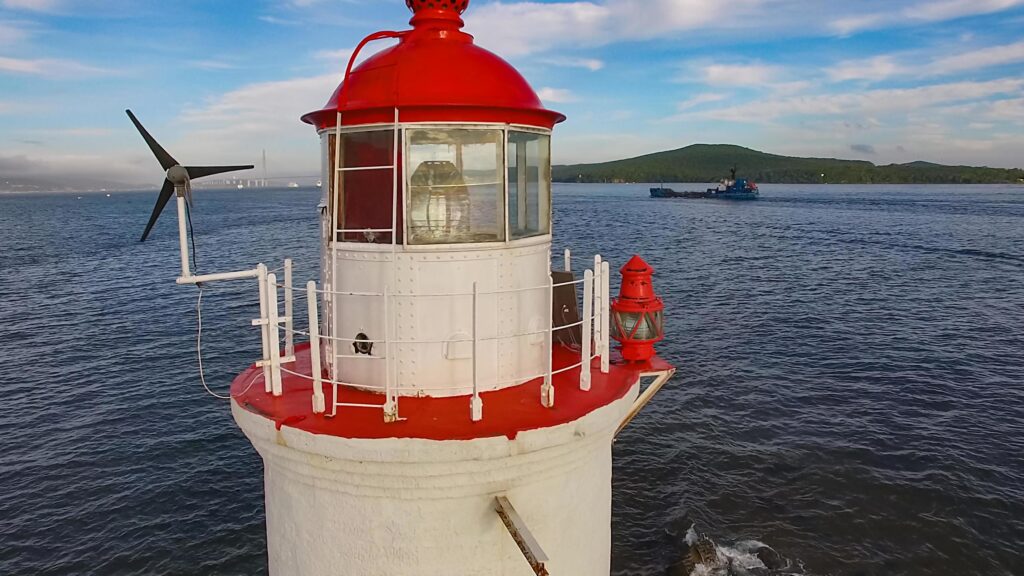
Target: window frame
<point>404,184</point>
<point>508,209</point>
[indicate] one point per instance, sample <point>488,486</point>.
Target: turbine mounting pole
<point>186,268</point>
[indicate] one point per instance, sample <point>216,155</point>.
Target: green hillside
<point>711,162</point>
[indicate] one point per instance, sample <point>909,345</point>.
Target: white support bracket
<point>660,379</point>
<point>528,545</point>
<point>282,360</point>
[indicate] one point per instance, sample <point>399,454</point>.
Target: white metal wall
<point>431,315</point>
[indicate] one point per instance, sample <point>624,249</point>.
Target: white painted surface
<point>432,318</point>
<point>397,507</point>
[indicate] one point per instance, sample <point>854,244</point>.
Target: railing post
<point>319,402</point>
<point>390,398</point>
<point>476,404</point>
<point>274,324</point>
<point>598,306</point>
<point>588,311</point>
<point>289,309</point>
<point>547,391</point>
<point>568,260</point>
<point>605,317</point>
<point>264,328</point>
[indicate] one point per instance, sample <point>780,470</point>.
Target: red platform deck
<point>506,412</point>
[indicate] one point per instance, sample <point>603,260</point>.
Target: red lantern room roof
<point>434,74</point>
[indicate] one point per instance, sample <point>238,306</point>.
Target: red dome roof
<point>434,74</point>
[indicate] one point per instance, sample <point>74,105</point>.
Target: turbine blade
<point>204,171</point>
<point>166,160</point>
<point>165,194</point>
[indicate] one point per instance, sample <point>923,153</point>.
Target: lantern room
<point>436,159</point>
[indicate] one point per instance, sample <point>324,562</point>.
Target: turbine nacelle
<point>178,175</point>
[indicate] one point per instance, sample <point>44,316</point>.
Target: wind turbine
<point>178,179</point>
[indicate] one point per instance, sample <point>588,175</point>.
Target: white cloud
<point>49,67</point>
<point>981,58</point>
<point>888,66</point>
<point>32,5</point>
<point>866,104</point>
<point>591,64</point>
<point>338,59</point>
<point>340,56</point>
<point>260,116</point>
<point>530,27</point>
<point>519,28</point>
<point>602,147</point>
<point>556,95</point>
<point>934,11</point>
<point>877,68</point>
<point>757,76</point>
<point>734,74</point>
<point>923,11</point>
<point>279,21</point>
<point>700,99</point>
<point>12,33</point>
<point>212,65</point>
<point>850,24</point>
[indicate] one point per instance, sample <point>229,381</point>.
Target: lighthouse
<point>442,399</point>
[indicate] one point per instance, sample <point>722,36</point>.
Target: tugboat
<point>734,188</point>
<point>730,189</point>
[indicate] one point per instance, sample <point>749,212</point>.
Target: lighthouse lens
<point>456,186</point>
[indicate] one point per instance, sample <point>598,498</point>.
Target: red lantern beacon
<point>442,418</point>
<point>637,314</point>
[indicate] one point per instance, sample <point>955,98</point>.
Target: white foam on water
<point>737,560</point>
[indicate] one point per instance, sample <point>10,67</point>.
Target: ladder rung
<point>358,168</point>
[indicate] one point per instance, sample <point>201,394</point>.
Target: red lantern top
<point>434,74</point>
<point>636,283</point>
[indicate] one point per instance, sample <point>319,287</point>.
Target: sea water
<point>850,388</point>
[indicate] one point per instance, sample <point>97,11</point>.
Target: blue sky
<point>219,81</point>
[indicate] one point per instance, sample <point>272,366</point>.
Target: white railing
<point>593,324</point>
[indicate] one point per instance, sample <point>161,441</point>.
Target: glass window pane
<point>364,198</point>
<point>529,184</point>
<point>455,186</point>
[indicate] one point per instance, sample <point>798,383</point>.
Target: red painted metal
<point>507,412</point>
<point>638,303</point>
<point>434,74</point>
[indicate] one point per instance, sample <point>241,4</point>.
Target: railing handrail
<point>322,291</point>
<point>594,322</point>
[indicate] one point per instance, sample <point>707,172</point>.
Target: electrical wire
<point>199,347</point>
<point>199,352</point>
<point>191,231</point>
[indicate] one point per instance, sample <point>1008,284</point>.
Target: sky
<point>219,81</point>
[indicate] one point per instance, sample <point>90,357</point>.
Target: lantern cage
<point>642,326</point>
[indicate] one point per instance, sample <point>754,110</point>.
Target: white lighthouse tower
<point>451,407</point>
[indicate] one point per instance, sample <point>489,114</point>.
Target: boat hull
<point>710,193</point>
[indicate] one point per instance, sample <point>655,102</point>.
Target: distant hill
<point>711,162</point>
